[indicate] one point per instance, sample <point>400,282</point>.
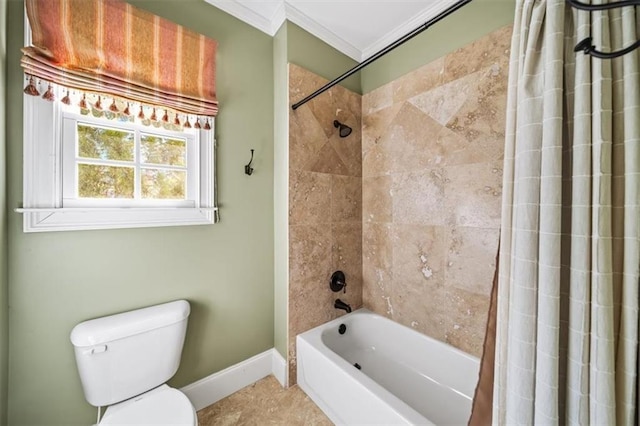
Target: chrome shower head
<point>344,129</point>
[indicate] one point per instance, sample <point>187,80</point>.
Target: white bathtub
<point>405,376</point>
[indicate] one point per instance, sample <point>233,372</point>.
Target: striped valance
<point>111,47</point>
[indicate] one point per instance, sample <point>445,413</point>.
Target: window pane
<point>163,184</point>
<point>105,181</point>
<point>159,150</point>
<point>104,143</point>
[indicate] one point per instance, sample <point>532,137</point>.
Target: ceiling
<point>357,28</point>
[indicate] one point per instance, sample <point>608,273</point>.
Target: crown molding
<point>393,35</point>
<point>247,15</point>
<point>278,18</point>
<point>304,21</point>
<point>286,11</point>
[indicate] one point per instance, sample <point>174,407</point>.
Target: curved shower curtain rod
<point>383,52</point>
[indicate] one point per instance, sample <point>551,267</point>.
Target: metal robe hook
<point>248,169</point>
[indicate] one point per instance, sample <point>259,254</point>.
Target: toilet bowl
<point>124,361</point>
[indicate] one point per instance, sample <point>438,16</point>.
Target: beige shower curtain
<point>567,332</point>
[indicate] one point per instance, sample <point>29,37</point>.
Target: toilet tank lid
<point>107,329</point>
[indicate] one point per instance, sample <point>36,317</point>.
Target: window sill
<point>78,218</point>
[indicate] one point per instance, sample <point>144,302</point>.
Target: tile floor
<point>264,403</point>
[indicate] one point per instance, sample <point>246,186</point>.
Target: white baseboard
<point>213,388</point>
<point>279,368</point>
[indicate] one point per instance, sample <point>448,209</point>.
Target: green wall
<point>474,20</point>
<point>4,306</point>
<point>58,279</point>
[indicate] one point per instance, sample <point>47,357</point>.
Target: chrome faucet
<point>339,304</point>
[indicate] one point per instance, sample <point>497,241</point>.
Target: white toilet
<point>125,360</point>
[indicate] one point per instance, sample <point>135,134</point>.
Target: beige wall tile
<point>309,259</point>
<point>376,199</point>
<point>471,258</point>
<point>410,141</point>
<point>488,50</point>
<point>376,267</point>
<point>325,205</point>
<point>418,256</point>
<point>301,83</point>
<point>375,161</point>
<point>442,102</point>
<point>310,303</point>
<point>309,197</point>
<point>466,320</point>
<point>456,149</point>
<point>421,80</point>
<point>377,99</point>
<point>376,125</point>
<point>418,197</point>
<point>434,154</point>
<point>306,138</point>
<point>346,199</point>
<point>418,278</point>
<point>473,194</point>
<point>328,161</point>
<point>482,118</point>
<point>353,104</point>
<point>421,310</point>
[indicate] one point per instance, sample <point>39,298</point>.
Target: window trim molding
<point>42,183</point>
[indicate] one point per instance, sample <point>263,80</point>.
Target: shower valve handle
<point>338,282</point>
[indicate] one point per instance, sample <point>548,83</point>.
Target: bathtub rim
<point>365,311</point>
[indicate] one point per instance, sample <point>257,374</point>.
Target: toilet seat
<point>160,406</point>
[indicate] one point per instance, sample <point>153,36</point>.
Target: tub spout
<point>339,304</point>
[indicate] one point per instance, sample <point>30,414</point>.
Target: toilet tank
<point>124,355</point>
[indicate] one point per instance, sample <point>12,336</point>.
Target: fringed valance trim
<point>91,103</point>
<point>115,87</point>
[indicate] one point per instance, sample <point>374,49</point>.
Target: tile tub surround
<point>325,204</point>
<point>432,151</point>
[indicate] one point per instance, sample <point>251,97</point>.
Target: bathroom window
<point>128,165</point>
<point>83,172</point>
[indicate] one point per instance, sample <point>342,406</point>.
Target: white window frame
<point>43,206</point>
